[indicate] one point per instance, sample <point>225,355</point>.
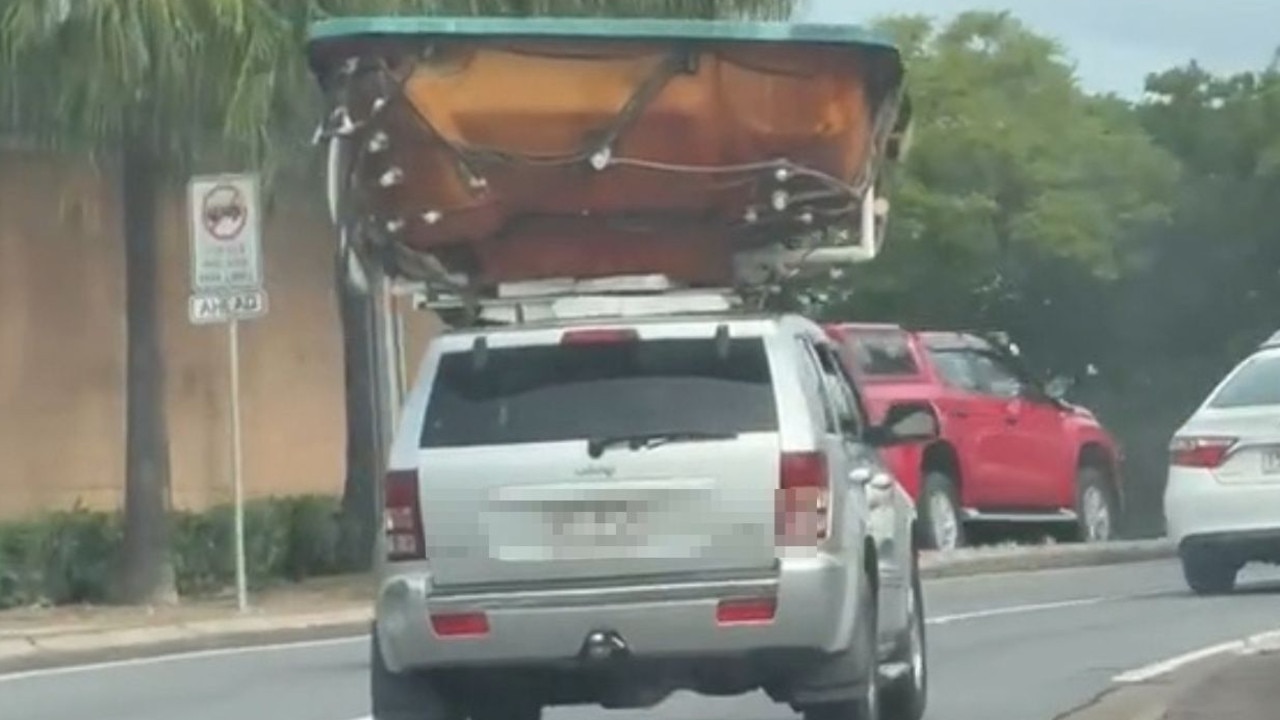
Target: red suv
<point>1010,450</point>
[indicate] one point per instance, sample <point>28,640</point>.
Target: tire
<point>1207,572</point>
<point>499,708</point>
<point>867,705</point>
<point>938,494</point>
<point>1096,506</point>
<point>404,696</point>
<point>906,697</point>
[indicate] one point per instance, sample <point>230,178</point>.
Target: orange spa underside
<point>484,158</point>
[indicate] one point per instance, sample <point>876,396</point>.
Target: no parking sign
<point>226,233</point>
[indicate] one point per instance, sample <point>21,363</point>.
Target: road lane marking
<point>1164,667</point>
<point>1147,673</point>
<point>1019,609</point>
<point>337,642</point>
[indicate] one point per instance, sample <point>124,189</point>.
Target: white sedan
<point>1222,500</point>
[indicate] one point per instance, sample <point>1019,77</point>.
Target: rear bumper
<point>1199,507</point>
<point>815,612</point>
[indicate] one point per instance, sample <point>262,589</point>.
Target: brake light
<point>804,499</point>
<point>754,611</point>
<point>402,517</point>
<point>453,625</point>
<point>598,336</point>
<point>1200,452</point>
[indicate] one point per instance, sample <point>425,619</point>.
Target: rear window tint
<point>553,393</point>
<point>883,353</point>
<point>1256,383</point>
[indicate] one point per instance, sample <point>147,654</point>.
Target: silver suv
<point>608,512</point>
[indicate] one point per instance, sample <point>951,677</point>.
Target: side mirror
<point>904,423</point>
<point>1058,387</point>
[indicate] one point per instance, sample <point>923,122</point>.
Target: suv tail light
<point>804,499</point>
<point>1200,452</point>
<point>402,517</point>
<point>458,625</point>
<point>754,611</point>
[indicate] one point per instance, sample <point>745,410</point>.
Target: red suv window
<point>883,353</point>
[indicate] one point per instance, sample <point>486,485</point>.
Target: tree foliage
<point>1135,235</point>
<point>1013,166</point>
<point>211,82</point>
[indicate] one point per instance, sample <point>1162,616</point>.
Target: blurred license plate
<point>595,528</point>
<point>1271,461</point>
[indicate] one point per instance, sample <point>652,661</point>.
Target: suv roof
<point>761,321</point>
<point>933,339</point>
<point>870,326</point>
<point>953,340</point>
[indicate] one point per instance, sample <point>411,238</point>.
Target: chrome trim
<point>594,596</point>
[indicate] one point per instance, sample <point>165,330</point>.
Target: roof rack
<point>569,299</point>
<point>872,326</point>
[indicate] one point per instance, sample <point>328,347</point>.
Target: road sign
<point>208,309</point>
<point>226,287</point>
<point>226,233</point>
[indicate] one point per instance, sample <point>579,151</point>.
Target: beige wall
<point>62,351</point>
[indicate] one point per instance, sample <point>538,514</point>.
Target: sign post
<point>227,287</point>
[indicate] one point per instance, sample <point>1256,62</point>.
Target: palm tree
<point>152,90</point>
<point>155,90</point>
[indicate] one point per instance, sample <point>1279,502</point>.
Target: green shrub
<point>71,557</point>
<point>66,557</point>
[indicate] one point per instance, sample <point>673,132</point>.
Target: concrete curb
<point>50,649</point>
<point>1226,683</point>
<point>985,561</point>
<point>25,654</point>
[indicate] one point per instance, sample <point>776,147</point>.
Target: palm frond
<point>215,82</point>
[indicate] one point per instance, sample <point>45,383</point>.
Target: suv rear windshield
<point>883,353</point>
<point>1257,383</point>
<point>550,393</point>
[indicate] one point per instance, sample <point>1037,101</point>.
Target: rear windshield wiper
<point>597,446</point>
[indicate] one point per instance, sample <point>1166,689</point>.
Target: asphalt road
<point>1013,647</point>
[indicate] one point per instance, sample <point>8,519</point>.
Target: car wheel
<point>404,696</point>
<point>1208,573</point>
<point>867,705</point>
<point>906,696</point>
<point>939,507</point>
<point>1096,505</point>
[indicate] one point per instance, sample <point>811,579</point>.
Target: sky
<point>1114,43</point>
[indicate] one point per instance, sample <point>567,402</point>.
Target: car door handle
<point>958,414</point>
<point>1010,419</point>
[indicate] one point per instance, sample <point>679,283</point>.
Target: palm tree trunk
<point>147,569</point>
<point>360,511</point>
